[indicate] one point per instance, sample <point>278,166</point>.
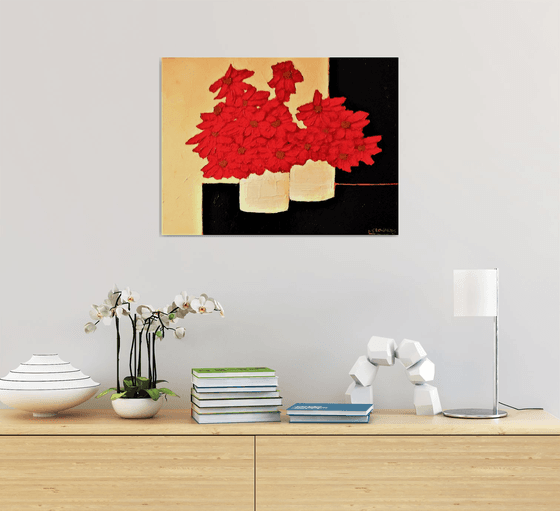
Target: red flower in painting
<point>250,124</point>
<point>211,138</point>
<point>278,120</point>
<point>349,125</point>
<point>231,85</point>
<point>222,166</point>
<point>209,142</point>
<point>308,146</point>
<point>343,156</point>
<point>246,153</point>
<point>222,111</point>
<point>284,79</point>
<point>279,155</point>
<point>320,111</point>
<point>366,148</point>
<point>250,98</point>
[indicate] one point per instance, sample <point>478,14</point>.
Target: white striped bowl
<point>46,385</point>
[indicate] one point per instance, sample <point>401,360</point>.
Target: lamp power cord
<point>509,406</point>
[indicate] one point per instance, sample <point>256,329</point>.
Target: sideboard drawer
<point>126,473</point>
<point>428,473</point>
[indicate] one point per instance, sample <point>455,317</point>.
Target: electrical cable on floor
<point>509,406</point>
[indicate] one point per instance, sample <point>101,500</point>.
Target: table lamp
<point>476,294</point>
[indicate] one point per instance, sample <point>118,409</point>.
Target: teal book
<point>329,409</point>
<point>332,419</point>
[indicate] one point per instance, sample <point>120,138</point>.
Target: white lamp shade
<point>475,292</point>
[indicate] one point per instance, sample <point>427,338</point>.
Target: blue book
<point>329,409</point>
<point>332,419</point>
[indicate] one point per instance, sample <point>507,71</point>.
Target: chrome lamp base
<point>475,413</point>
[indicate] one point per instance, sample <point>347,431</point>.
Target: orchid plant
<point>148,325</point>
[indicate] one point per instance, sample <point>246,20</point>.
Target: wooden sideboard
<point>94,460</point>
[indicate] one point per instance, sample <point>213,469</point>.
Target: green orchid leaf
<point>168,391</point>
<point>128,381</point>
<point>154,393</point>
<point>117,395</point>
<point>106,392</point>
<point>161,381</point>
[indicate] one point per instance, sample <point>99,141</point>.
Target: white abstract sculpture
<point>422,371</point>
<point>419,369</point>
<point>359,394</point>
<point>381,351</point>
<point>426,400</point>
<point>409,352</point>
<point>363,371</point>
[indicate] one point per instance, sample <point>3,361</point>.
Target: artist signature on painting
<point>382,231</point>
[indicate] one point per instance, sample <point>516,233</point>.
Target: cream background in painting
<point>185,95</point>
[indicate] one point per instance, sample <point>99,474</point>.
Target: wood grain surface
<point>408,473</point>
<point>179,422</point>
<point>110,473</point>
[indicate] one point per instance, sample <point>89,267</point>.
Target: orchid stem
<point>118,353</point>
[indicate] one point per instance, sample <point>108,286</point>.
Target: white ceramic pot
<point>46,385</point>
<point>269,193</point>
<point>139,408</point>
<point>312,182</point>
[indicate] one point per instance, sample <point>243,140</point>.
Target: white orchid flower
<point>183,301</point>
<point>179,332</point>
<point>145,311</point>
<point>100,313</point>
<point>113,296</point>
<point>129,296</point>
<point>181,313</point>
<point>220,308</point>
<point>203,305</point>
<point>165,316</point>
<point>118,311</point>
<point>90,328</point>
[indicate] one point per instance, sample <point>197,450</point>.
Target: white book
<point>211,390</point>
<point>233,395</point>
<point>214,403</point>
<point>230,418</point>
<point>248,381</point>
<point>233,409</point>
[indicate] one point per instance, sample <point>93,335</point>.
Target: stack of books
<point>235,394</point>
<point>329,412</point>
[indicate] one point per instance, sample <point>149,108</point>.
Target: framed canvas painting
<point>279,146</point>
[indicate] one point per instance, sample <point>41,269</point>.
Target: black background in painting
<point>366,200</point>
<point>370,85</point>
<point>354,210</point>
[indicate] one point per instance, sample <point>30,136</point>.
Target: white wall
<point>479,154</point>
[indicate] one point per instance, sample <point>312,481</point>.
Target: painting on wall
<point>276,146</point>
